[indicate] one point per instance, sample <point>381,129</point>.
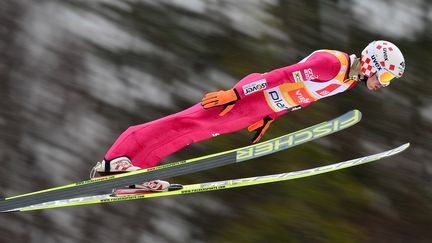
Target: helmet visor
<point>385,77</point>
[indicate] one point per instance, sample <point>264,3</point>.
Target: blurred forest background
<point>75,73</point>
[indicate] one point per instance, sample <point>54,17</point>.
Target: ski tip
<point>399,149</point>
<point>358,113</point>
<point>406,145</point>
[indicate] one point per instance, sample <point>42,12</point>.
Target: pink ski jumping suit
<point>323,73</point>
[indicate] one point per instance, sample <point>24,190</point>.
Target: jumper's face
<point>373,83</point>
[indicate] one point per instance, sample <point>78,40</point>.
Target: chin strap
<point>363,80</point>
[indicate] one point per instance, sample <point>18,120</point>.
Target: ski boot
<point>115,166</point>
<point>122,165</point>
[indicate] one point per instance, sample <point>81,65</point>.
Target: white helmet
<point>385,59</point>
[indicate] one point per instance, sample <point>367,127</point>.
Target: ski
<point>92,187</point>
<point>214,186</point>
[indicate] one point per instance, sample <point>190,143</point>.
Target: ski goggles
<point>384,77</point>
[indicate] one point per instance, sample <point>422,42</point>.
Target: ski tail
<point>218,185</point>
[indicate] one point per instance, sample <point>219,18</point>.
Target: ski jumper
<point>323,73</point>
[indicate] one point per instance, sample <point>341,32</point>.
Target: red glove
<point>260,127</point>
<point>218,98</point>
